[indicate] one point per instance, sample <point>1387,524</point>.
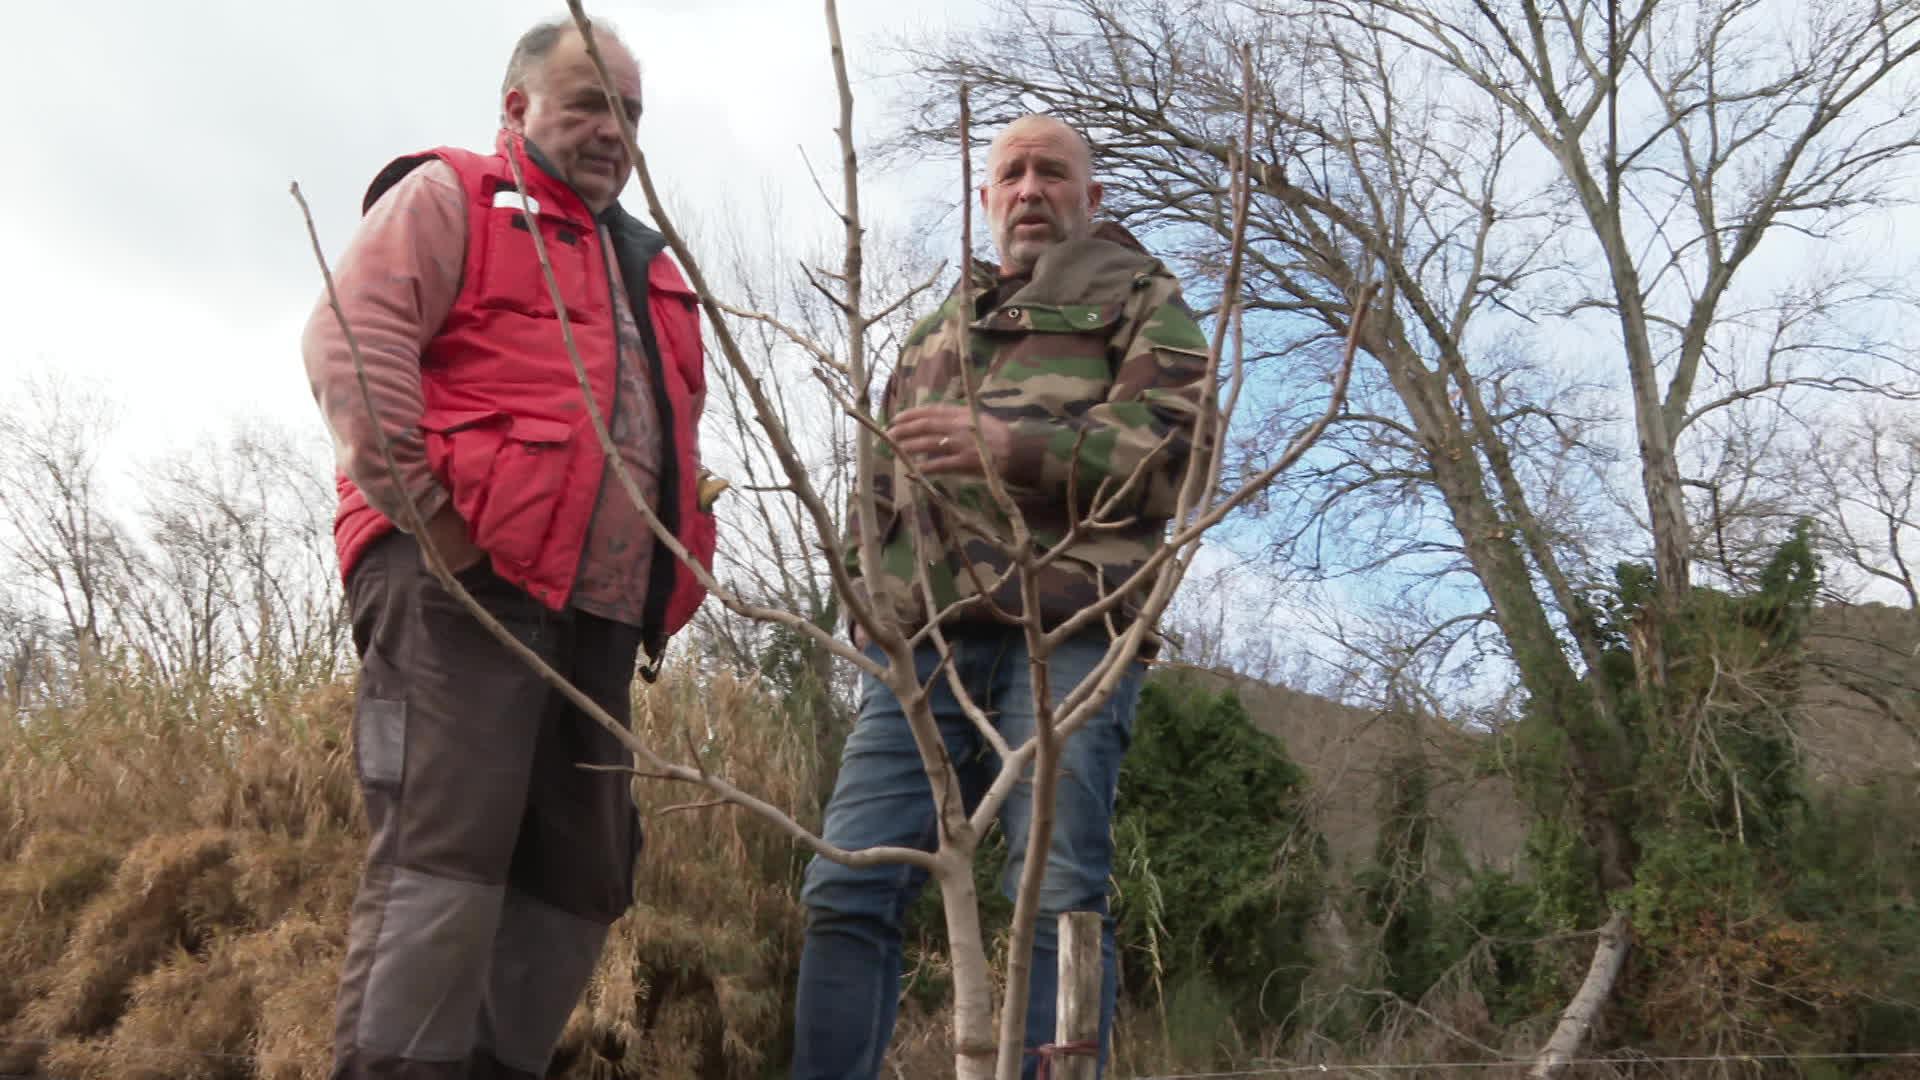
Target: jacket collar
<point>630,235</point>
<point>1099,268</point>
<point>542,175</point>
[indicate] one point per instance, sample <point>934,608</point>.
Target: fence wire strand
<point>1516,1063</point>
<point>1232,1074</point>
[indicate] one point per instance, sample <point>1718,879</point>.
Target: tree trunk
<point>974,1040</point>
<point>1609,956</point>
<point>1500,564</point>
<point>1026,905</point>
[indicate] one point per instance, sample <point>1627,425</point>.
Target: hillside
<point>1351,756</point>
<point>1862,715</point>
<point>1859,723</point>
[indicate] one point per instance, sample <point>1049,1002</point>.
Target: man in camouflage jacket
<point>1088,372</point>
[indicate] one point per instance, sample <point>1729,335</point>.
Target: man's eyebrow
<point>632,104</point>
<point>1030,157</point>
<point>598,96</point>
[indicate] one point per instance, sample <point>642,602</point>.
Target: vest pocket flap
<point>507,274</point>
<point>534,430</point>
<point>663,276</point>
<point>1053,319</point>
<point>448,421</point>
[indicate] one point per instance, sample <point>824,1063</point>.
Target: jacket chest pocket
<point>512,277</point>
<point>1049,361</point>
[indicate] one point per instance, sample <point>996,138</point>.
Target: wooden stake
<point>1075,1054</point>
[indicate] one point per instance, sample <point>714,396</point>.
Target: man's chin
<point>597,193</point>
<point>1021,256</point>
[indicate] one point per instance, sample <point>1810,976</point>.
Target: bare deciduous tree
<point>1602,228</point>
<point>1863,487</point>
<point>60,527</point>
<point>245,555</point>
<point>219,571</point>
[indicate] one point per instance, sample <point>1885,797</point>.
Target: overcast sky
<point>150,240</point>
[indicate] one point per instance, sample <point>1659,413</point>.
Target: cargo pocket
<point>527,481</point>
<point>1063,362</point>
<point>461,448</point>
<point>380,741</point>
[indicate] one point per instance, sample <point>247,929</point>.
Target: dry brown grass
<point>170,894</point>
<point>176,868</point>
<point>152,832</point>
<point>298,965</point>
<point>255,1004</point>
<point>43,890</point>
<point>696,980</point>
<point>179,867</point>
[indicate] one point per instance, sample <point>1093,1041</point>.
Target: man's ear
<point>513,110</point>
<point>1094,191</point>
<point>983,198</point>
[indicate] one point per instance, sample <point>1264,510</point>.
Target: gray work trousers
<point>496,862</point>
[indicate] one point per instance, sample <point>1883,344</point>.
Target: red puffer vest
<point>506,429</point>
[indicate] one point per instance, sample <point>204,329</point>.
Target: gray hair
<point>538,43</point>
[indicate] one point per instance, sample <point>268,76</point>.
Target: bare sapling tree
<point>1863,484</point>
<point>214,576</point>
<point>58,522</point>
<point>845,364</point>
<point>242,542</point>
<point>766,552</point>
<point>1602,228</point>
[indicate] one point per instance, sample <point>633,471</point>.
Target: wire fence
<point>1626,1058</point>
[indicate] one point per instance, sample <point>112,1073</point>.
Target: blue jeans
<point>850,965</point>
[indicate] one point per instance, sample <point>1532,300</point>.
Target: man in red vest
<point>496,862</point>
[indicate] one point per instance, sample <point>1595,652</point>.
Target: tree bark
<point>1026,907</point>
<point>974,1037</point>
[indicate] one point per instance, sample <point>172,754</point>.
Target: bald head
<point>1042,126</point>
<point>1039,190</point>
<point>530,53</point>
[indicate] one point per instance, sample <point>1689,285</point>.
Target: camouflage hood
<point>1096,365</point>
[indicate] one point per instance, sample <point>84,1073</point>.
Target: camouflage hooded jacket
<point>1096,364</point>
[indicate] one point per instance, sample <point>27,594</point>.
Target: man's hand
<point>447,532</point>
<point>938,439</point>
